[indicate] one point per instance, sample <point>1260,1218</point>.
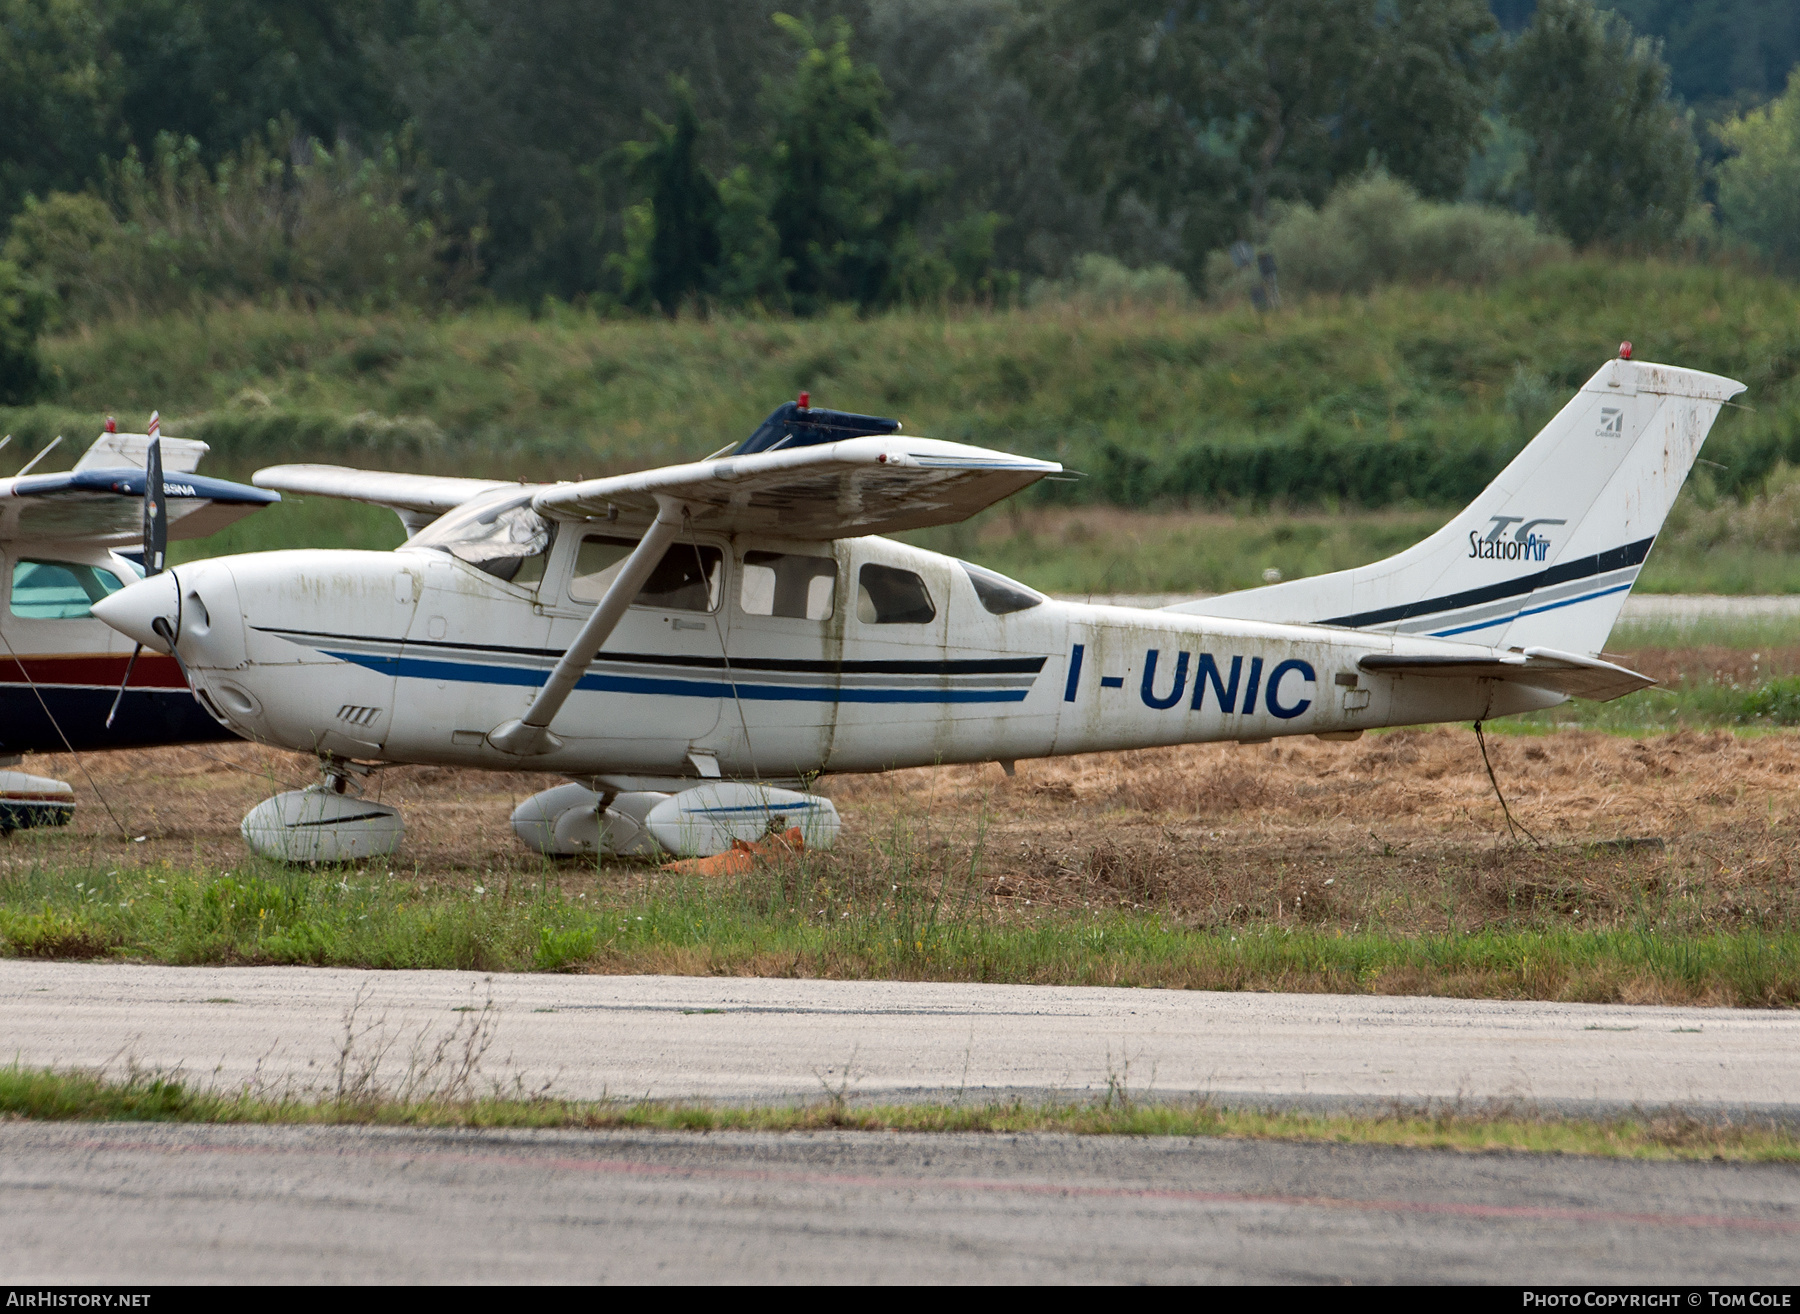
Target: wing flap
<point>1545,668</point>
<point>834,490</point>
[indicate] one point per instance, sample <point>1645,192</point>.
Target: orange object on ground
<point>742,855</point>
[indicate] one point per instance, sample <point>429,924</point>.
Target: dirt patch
<point>1711,663</point>
<point>1398,829</point>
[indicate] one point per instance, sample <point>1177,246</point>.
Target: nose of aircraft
<point>134,610</point>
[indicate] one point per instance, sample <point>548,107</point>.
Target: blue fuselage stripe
<point>1529,611</point>
<point>414,668</point>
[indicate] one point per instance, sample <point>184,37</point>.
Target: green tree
<point>1610,158</point>
<point>1759,187</point>
<point>842,203</point>
<point>22,314</point>
<point>682,253</point>
<point>1214,109</point>
<point>218,71</point>
<point>520,99</point>
<point>59,98</point>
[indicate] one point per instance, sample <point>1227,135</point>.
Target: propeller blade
<point>120,697</point>
<point>156,542</point>
<point>156,513</point>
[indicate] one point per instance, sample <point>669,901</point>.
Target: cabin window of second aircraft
<point>59,590</point>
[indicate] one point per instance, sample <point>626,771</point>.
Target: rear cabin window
<point>1000,595</point>
<point>886,595</point>
<point>59,590</point>
<point>788,584</point>
<point>686,579</point>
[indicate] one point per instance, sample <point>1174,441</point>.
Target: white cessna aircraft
<point>739,620</point>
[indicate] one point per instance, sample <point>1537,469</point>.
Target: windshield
<point>500,534</point>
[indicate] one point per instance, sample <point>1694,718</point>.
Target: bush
<point>22,314</point>
<point>1769,521</point>
<point>282,221</point>
<point>1377,230</point>
<point>1100,283</point>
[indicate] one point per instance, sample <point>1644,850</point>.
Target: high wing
<point>1544,668</point>
<point>869,485</point>
<point>106,507</point>
<point>417,499</point>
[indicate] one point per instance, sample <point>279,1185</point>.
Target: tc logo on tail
<point>1526,543</point>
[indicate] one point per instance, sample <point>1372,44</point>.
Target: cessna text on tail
<point>741,619</point>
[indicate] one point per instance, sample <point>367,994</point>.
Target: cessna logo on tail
<point>1526,543</point>
<point>1612,423</point>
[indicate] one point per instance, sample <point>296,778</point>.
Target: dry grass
<point>1398,831</point>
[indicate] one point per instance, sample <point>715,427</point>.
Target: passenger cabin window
<point>503,538</point>
<point>788,584</point>
<point>1000,595</point>
<point>889,596</point>
<point>686,579</point>
<point>59,590</point>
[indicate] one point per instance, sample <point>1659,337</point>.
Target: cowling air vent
<point>793,425</point>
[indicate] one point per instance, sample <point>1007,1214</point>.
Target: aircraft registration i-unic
<point>688,644</point>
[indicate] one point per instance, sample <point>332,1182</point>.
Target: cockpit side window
<point>1000,595</point>
<point>503,537</point>
<point>886,595</point>
<point>59,590</point>
<point>686,579</point>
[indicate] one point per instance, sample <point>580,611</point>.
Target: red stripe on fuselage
<point>153,670</point>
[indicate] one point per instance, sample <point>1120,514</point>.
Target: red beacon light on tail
<point>806,401</point>
<point>1624,351</point>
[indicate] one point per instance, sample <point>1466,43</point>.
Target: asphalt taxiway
<point>732,1038</point>
<point>122,1203</point>
<point>161,1203</point>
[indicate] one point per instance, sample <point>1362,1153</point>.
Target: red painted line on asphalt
<point>629,1168</point>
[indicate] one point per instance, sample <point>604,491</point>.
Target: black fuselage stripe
<point>972,666</point>
<point>1632,554</point>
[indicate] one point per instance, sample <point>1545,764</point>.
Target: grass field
<point>1649,870</point>
<point>1102,550</point>
<point>148,1097</point>
<point>1410,393</point>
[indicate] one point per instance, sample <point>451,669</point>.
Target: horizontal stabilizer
<point>1544,668</point>
<point>869,485</point>
<point>417,499</point>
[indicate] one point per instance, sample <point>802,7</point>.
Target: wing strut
<point>530,734</point>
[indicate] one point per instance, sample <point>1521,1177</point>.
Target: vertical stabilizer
<point>1548,551</point>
